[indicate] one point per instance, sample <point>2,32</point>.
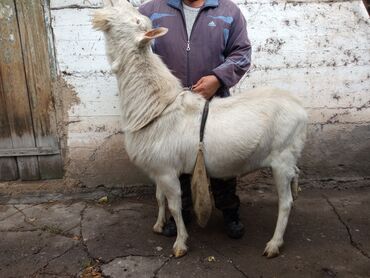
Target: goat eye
<point>138,21</point>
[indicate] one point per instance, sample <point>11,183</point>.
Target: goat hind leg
<point>283,176</point>
<point>294,184</point>
<point>161,218</point>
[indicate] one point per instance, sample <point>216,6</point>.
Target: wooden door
<point>29,147</point>
<point>367,5</point>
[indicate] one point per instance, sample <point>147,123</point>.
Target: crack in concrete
<point>25,218</point>
<point>229,260</point>
<point>95,262</point>
<point>38,250</point>
<point>156,272</point>
<point>104,262</point>
<point>18,211</point>
<point>45,228</point>
<point>10,215</point>
<point>35,274</point>
<point>82,240</point>
<point>353,243</point>
<point>71,228</point>
<point>237,268</point>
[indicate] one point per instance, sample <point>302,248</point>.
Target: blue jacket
<point>218,43</point>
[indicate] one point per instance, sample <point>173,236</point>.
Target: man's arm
<point>207,86</point>
<point>237,61</point>
<point>237,54</point>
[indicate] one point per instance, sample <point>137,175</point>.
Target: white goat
<point>260,128</point>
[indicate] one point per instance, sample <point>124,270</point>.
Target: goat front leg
<point>170,186</point>
<point>161,218</point>
<point>282,176</point>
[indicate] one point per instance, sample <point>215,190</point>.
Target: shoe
<point>170,230</point>
<point>233,226</point>
<point>234,229</point>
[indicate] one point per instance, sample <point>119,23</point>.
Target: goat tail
<point>200,182</point>
<point>294,184</point>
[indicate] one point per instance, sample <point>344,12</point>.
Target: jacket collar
<point>177,4</point>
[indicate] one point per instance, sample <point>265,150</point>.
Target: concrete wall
<point>320,50</point>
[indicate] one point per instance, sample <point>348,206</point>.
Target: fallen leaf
<point>211,259</point>
<point>91,272</point>
<point>103,200</point>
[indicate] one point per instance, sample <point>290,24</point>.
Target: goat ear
<point>100,20</point>
<point>154,33</point>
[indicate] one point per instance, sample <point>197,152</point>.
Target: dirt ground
<point>43,235</point>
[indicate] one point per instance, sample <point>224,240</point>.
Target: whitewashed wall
<point>320,50</point>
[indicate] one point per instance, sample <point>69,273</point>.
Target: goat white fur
<point>260,128</point>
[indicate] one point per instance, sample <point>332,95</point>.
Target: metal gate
<point>29,147</point>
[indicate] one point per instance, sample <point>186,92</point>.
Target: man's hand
<point>207,86</point>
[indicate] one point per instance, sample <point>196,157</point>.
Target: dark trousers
<point>224,193</point>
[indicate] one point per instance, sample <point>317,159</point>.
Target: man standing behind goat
<point>208,49</point>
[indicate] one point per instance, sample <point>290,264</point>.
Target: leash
<point>204,118</point>
<point>203,122</point>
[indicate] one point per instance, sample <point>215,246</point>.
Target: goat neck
<point>146,86</point>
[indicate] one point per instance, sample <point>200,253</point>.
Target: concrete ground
<point>328,236</point>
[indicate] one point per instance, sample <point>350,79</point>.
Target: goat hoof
<point>271,250</point>
<point>271,255</point>
<point>158,229</point>
<point>178,253</point>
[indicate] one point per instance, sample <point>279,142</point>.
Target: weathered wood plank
<point>50,40</point>
<point>28,151</point>
<point>15,89</point>
<point>8,165</point>
<point>36,60</point>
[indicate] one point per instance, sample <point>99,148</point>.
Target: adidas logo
<point>212,24</point>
